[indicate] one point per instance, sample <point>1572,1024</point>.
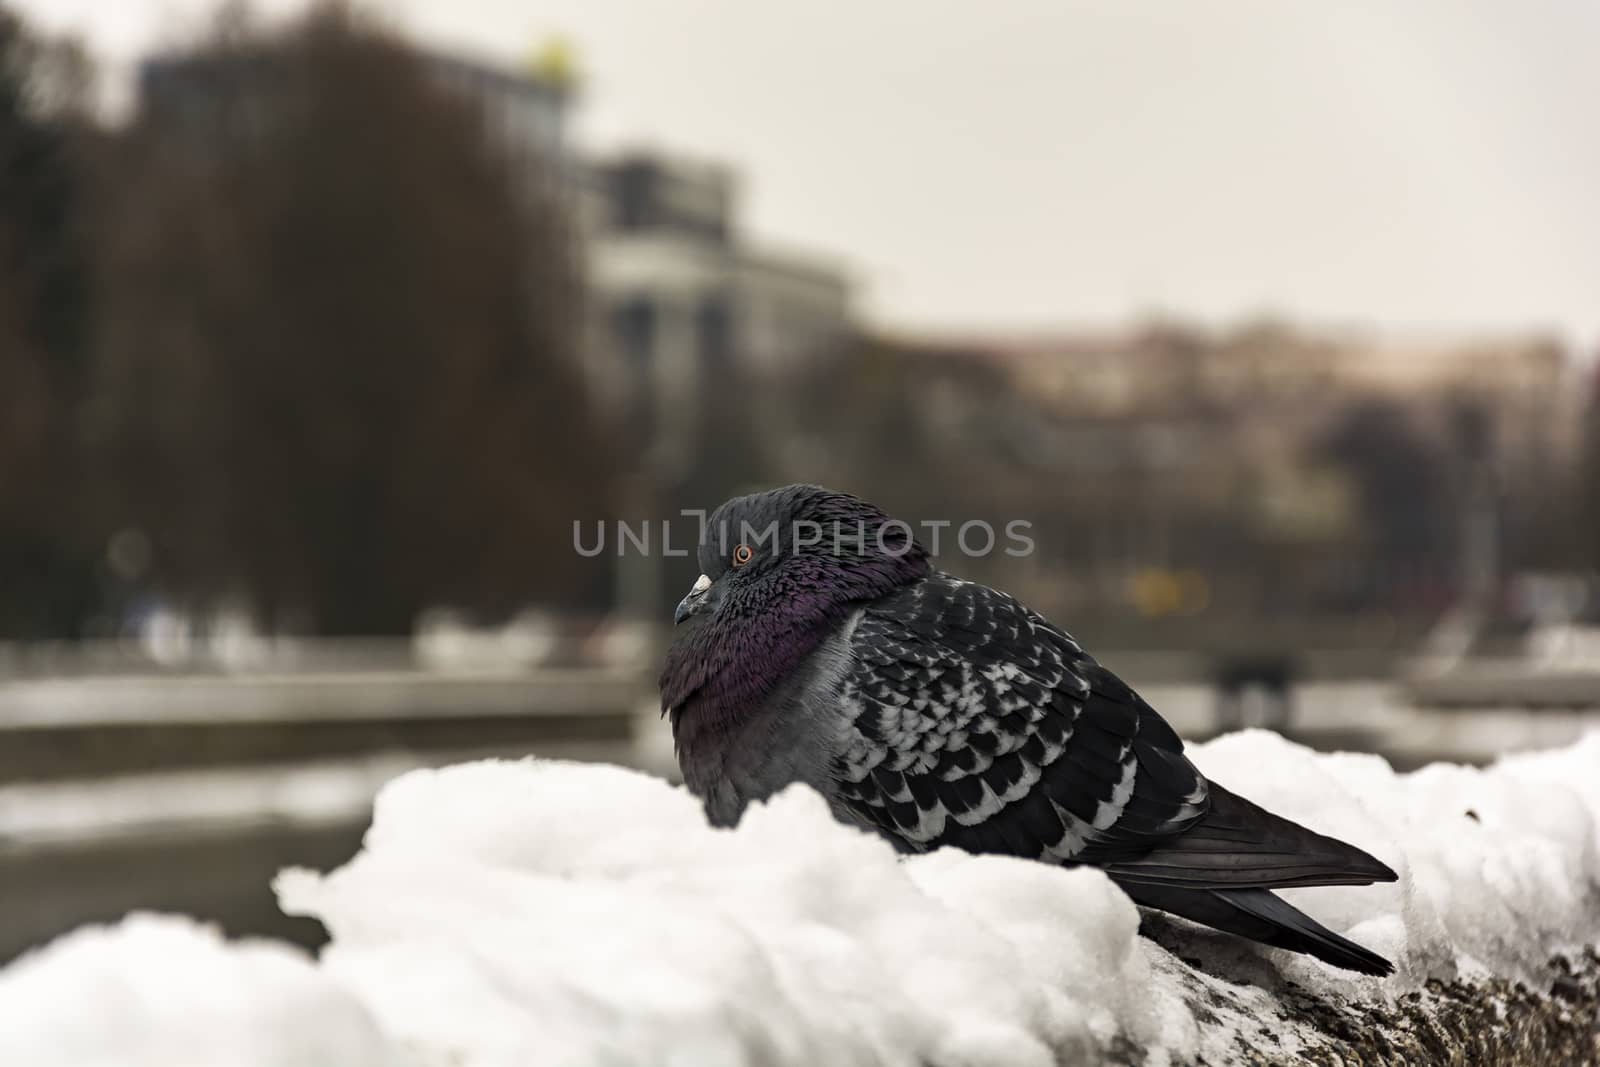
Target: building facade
<point>681,300</point>
<point>677,296</point>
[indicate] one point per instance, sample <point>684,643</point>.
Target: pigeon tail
<point>1221,872</point>
<point>1238,844</point>
<point>1261,915</point>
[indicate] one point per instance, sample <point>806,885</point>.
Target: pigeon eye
<point>742,555</point>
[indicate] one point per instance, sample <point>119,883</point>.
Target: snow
<point>1493,891</point>
<point>164,991</point>
<point>602,897</point>
<point>542,912</point>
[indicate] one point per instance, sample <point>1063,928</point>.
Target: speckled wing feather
<point>978,724</point>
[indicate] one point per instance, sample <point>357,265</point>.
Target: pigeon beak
<point>695,602</point>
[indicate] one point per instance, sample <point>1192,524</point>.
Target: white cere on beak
<point>701,584</point>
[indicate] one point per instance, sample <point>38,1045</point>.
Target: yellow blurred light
<point>555,62</point>
<point>1155,592</point>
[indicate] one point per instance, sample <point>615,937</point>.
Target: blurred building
<point>682,299</point>
<point>679,296</point>
<point>678,293</point>
<point>523,112</point>
<point>1318,467</point>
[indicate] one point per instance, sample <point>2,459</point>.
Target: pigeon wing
<point>977,723</point>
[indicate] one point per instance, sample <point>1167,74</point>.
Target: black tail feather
<point>1240,844</point>
<point>1262,916</point>
<point>1220,872</point>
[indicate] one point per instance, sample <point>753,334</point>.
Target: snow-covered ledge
<point>531,912</point>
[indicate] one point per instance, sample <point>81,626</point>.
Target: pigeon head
<point>780,570</point>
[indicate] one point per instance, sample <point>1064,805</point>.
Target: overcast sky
<point>1023,164</point>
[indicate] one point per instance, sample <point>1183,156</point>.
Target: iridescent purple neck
<point>721,670</point>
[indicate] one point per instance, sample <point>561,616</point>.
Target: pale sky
<point>1425,165</point>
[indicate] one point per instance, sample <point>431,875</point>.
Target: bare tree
<point>47,566</point>
<point>341,371</point>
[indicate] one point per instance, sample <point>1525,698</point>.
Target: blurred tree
<point>1407,486</point>
<point>47,563</point>
<point>728,452</point>
<point>930,433</point>
<point>865,419</point>
<point>342,382</point>
<point>1587,494</point>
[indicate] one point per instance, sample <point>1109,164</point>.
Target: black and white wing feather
<point>973,722</point>
<point>978,724</point>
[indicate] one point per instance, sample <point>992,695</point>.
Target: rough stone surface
<point>1478,1022</point>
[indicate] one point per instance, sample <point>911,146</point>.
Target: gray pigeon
<point>820,646</point>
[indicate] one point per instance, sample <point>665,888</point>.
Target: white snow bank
<point>589,914</point>
<point>1498,867</point>
<point>536,912</point>
<point>163,991</point>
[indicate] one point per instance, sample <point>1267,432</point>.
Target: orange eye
<point>742,555</point>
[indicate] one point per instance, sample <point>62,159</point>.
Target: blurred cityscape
<point>310,365</point>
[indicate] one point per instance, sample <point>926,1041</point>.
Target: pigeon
<point>821,646</point>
